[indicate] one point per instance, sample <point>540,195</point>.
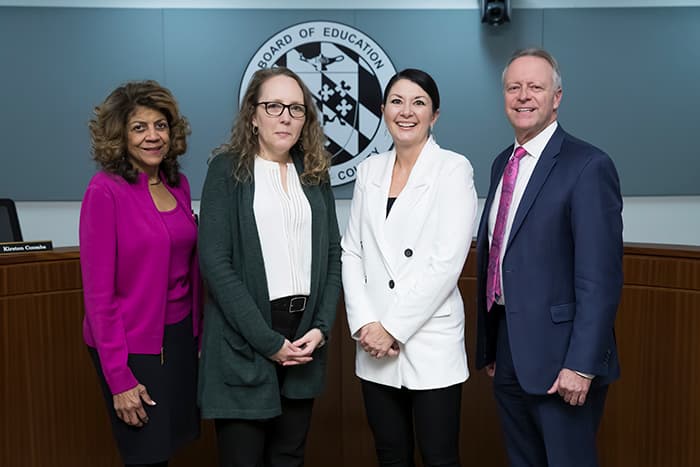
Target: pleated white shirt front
<point>283,219</point>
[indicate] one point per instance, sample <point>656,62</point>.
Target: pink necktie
<point>493,282</point>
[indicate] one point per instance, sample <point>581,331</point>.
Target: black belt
<point>291,304</point>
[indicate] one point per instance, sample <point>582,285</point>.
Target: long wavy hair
<point>108,133</point>
<point>244,145</point>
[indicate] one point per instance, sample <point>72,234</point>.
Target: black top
<point>389,204</point>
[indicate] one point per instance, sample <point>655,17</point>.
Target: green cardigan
<point>236,377</point>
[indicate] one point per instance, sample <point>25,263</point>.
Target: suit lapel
<point>402,218</point>
<point>406,220</point>
<point>499,166</point>
<point>377,193</point>
<point>392,230</point>
<point>402,210</point>
<point>544,166</point>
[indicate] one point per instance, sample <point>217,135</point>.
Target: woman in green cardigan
<point>270,257</point>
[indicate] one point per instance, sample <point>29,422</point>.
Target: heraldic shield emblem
<point>346,72</point>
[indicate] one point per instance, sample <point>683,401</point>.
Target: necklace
<point>155,183</point>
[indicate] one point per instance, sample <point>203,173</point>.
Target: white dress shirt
<point>283,219</point>
<point>534,149</point>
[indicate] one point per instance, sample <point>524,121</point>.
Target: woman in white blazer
<point>407,239</point>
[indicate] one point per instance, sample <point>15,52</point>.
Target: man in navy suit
<point>549,276</point>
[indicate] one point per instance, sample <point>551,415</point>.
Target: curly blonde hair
<point>108,133</point>
<point>243,144</point>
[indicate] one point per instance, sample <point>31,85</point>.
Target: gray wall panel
<point>630,82</point>
<point>56,65</point>
<point>632,87</point>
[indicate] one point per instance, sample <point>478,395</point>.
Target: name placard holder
<point>7,248</point>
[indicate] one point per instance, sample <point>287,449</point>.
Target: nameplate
<point>24,247</point>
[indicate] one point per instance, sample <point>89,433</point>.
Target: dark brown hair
<point>422,79</point>
<point>108,131</point>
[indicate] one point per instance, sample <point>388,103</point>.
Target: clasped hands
<point>299,351</point>
<point>376,341</point>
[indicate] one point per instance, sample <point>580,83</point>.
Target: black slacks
<point>394,416</point>
<point>274,442</point>
<point>277,442</point>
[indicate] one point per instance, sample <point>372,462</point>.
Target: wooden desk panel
<point>652,415</point>
<point>53,412</point>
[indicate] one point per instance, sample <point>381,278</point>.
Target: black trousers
<point>394,416</point>
<point>275,442</point>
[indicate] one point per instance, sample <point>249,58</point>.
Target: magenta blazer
<point>124,257</point>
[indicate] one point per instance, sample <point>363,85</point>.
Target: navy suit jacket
<point>562,269</point>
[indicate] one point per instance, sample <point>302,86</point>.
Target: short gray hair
<point>536,52</point>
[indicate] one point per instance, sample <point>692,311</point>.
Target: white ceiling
<point>342,4</point>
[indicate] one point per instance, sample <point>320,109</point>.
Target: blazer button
<point>408,252</point>
<point>391,284</point>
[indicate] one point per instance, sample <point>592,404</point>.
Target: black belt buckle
<point>297,304</point>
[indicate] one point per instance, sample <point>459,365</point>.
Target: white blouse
<point>283,219</point>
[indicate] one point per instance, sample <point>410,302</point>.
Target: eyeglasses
<point>275,109</point>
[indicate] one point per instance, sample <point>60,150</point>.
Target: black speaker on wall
<point>495,12</point>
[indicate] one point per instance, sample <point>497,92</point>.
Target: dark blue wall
<point>631,82</point>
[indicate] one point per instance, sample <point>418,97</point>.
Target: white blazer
<point>402,270</point>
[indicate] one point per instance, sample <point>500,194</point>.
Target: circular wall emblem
<point>346,72</point>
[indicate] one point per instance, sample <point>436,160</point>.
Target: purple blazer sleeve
<point>98,257</point>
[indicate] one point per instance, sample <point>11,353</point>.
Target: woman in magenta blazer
<point>140,276</point>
